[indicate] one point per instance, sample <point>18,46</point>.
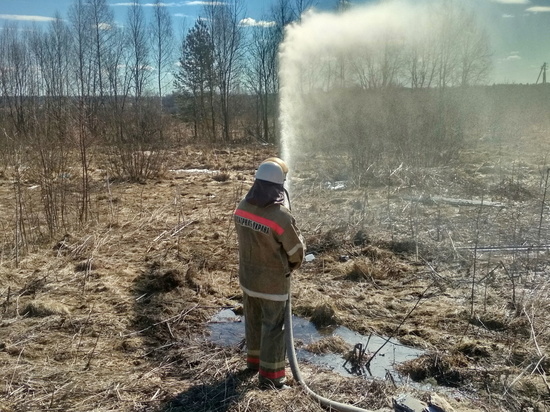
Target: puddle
<point>207,171</point>
<point>227,329</point>
<point>338,185</point>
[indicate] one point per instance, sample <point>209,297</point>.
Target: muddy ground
<point>114,316</point>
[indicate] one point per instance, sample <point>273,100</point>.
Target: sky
<point>519,30</point>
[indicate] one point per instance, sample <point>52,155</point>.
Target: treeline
<point>112,68</point>
<point>84,88</point>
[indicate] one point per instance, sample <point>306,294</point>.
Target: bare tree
<point>227,39</point>
<point>50,140</point>
<point>162,36</point>
<point>18,85</point>
<point>17,90</point>
<point>380,64</point>
<point>261,74</point>
<point>52,51</point>
<point>138,48</point>
<point>118,74</point>
<point>83,49</point>
<point>300,6</point>
<point>101,19</point>
<point>84,32</point>
<point>420,63</point>
<point>446,56</point>
<point>137,151</point>
<point>463,51</point>
<point>474,51</point>
<point>283,13</point>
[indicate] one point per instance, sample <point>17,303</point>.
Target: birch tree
<point>262,79</point>
<point>84,73</point>
<point>101,20</point>
<point>227,41</point>
<point>162,36</point>
<point>18,85</point>
<point>138,49</point>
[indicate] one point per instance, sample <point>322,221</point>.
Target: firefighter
<point>270,248</point>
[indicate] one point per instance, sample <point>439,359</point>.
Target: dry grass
<point>330,344</point>
<point>113,316</point>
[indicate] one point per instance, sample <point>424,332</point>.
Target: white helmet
<point>270,172</point>
<point>279,161</point>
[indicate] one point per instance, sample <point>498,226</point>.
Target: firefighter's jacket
<point>270,247</point>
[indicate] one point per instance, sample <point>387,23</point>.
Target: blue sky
<point>519,29</point>
<point>37,10</point>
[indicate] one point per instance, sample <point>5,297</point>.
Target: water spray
<point>329,62</point>
<point>326,57</point>
<point>317,51</point>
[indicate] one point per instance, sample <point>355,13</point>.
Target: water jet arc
<point>289,340</point>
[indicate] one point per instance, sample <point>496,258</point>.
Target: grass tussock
<point>330,344</point>
<point>324,315</point>
<point>443,369</point>
<point>45,307</point>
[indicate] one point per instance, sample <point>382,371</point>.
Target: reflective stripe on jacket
<point>270,246</point>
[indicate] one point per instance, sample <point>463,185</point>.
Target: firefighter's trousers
<point>265,338</point>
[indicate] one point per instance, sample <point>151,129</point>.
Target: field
<point>114,315</point>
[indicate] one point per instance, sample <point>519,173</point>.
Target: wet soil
<point>328,346</point>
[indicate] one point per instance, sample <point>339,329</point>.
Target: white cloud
<point>104,26</point>
<point>249,21</point>
<point>161,4</point>
<point>22,17</point>
<point>538,9</point>
<point>511,1</point>
<point>513,56</point>
<point>173,4</point>
<point>205,3</point>
<point>128,4</point>
<point>508,16</point>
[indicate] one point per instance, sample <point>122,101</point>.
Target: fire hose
<point>291,353</point>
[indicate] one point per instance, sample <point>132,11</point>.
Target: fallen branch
<point>452,201</point>
<point>510,248</point>
<point>173,232</point>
